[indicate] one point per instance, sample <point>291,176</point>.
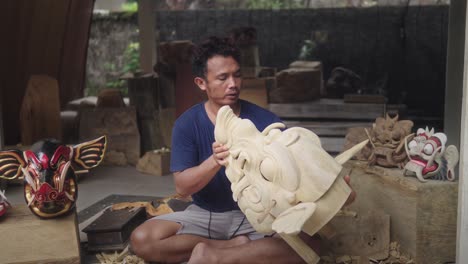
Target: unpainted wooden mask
<point>274,170</point>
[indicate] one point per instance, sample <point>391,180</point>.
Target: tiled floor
<point>107,180</point>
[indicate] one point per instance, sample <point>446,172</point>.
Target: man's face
<point>223,80</point>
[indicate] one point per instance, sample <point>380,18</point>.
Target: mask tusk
<point>29,179</point>
<point>32,200</point>
<point>403,142</point>
<point>63,175</point>
<point>345,156</point>
<point>69,197</point>
<point>419,175</point>
<point>406,148</point>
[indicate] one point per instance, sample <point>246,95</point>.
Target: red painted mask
<point>49,169</point>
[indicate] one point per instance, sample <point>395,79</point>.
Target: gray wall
<point>401,50</point>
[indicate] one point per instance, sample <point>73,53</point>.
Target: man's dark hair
<point>209,48</point>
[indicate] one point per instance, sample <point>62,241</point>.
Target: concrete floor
<point>107,180</point>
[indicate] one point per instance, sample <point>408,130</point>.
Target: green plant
<point>130,7</point>
<point>132,58</point>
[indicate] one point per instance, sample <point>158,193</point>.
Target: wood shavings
<point>395,257</point>
<point>162,150</point>
<point>150,210</point>
<point>124,257</point>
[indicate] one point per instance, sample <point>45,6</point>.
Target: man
<point>212,229</point>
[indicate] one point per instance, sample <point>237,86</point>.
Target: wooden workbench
<point>24,238</point>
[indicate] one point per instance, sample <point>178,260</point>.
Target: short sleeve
<point>184,153</point>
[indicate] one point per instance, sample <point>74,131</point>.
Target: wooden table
<point>25,238</point>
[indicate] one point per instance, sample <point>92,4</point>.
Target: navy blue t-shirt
<point>192,140</point>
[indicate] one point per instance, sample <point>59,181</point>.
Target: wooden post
<point>462,224</point>
<point>2,140</point>
<point>147,36</point>
<point>455,116</point>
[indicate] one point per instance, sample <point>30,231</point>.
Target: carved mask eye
<point>268,169</point>
<point>428,149</point>
<point>412,144</point>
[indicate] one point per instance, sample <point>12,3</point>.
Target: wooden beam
<point>455,116</point>
<point>462,227</point>
<point>2,140</point>
<point>147,36</point>
<point>328,108</point>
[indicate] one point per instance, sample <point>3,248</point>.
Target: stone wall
<point>397,50</point>
<point>109,37</point>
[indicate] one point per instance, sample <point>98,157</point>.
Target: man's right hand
<point>220,153</point>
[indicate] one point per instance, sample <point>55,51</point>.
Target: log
<point>25,238</point>
<point>40,110</point>
<point>423,215</point>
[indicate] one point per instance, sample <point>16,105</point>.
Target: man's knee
<point>139,240</point>
<point>145,240</point>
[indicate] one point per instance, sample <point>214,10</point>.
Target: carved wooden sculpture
<point>429,156</point>
<point>282,180</point>
<point>49,168</point>
<point>386,146</point>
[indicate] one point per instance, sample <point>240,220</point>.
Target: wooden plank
<point>327,128</point>
<point>328,108</point>
<point>147,36</point>
<point>166,123</point>
<point>332,145</point>
<point>25,238</point>
<point>423,215</point>
<point>365,98</point>
<point>2,138</point>
<point>455,113</point>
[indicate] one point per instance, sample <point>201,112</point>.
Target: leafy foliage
<point>130,7</point>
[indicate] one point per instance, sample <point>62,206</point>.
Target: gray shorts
<point>197,221</point>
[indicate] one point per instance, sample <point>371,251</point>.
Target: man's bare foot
<point>202,253</point>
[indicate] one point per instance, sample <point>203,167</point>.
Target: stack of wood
<point>113,118</point>
<point>301,82</point>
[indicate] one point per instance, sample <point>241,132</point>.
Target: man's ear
<point>200,82</point>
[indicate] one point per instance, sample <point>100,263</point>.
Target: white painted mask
<point>429,157</point>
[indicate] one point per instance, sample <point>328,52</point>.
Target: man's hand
<point>220,153</point>
<point>352,196</point>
